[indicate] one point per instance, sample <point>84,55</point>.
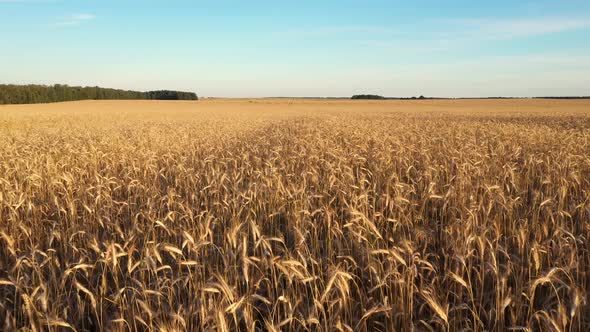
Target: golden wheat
<point>307,215</point>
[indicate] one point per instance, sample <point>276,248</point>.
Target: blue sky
<point>301,48</point>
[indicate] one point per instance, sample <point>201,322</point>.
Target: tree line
<point>31,94</point>
<point>367,97</point>
<point>377,97</point>
<point>170,95</point>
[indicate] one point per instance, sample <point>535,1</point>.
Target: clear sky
<point>301,48</point>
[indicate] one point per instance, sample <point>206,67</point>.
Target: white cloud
<point>330,31</point>
<point>517,28</point>
<point>83,17</point>
<point>457,34</point>
<point>73,20</point>
<point>26,1</point>
<point>404,47</point>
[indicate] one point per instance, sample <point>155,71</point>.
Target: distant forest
<point>377,97</point>
<point>32,94</point>
<point>367,97</point>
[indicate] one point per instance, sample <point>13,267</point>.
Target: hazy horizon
<point>304,49</point>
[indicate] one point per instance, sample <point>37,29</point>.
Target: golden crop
<point>306,215</point>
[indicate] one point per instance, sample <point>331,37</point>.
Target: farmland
<point>279,214</point>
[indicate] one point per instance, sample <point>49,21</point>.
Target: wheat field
<point>295,215</point>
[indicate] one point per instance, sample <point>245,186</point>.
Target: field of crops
<point>295,215</point>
